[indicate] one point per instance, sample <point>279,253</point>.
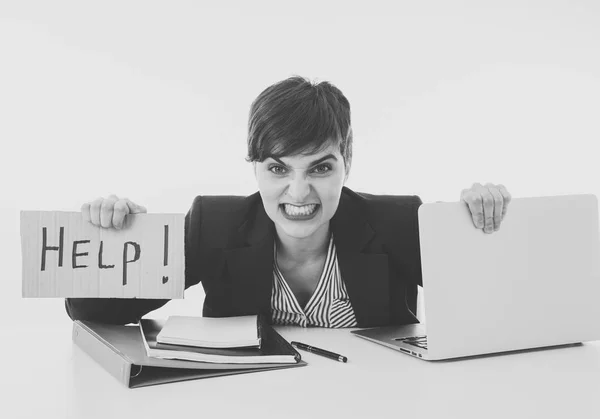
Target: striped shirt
<point>329,306</point>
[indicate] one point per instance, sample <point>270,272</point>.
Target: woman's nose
<point>298,189</point>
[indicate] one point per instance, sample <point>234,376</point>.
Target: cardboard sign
<point>65,256</point>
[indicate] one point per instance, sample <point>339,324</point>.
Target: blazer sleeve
<point>131,310</point>
<point>406,253</point>
<point>417,273</point>
<point>399,226</point>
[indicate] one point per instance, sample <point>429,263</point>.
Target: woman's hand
<point>487,204</point>
<point>110,212</point>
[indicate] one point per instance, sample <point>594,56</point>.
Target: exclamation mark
<point>165,279</point>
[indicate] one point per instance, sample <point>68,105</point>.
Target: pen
<point>319,351</point>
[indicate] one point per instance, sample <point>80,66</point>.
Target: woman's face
<point>301,193</point>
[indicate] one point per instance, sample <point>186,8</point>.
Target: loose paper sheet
<point>65,256</point>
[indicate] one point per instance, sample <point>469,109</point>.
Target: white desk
<point>45,375</point>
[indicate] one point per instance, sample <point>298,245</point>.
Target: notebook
<point>119,350</point>
<point>274,348</point>
<point>211,332</point>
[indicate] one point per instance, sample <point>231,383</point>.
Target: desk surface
<point>46,375</point>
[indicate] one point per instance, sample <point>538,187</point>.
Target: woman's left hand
<point>487,204</point>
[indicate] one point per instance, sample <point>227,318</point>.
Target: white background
<point>150,100</point>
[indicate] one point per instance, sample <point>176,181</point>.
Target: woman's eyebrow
<point>327,157</point>
<point>314,163</point>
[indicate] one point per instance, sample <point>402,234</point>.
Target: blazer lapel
<point>366,275</point>
<point>249,262</point>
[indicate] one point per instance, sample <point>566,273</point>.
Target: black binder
<point>120,351</point>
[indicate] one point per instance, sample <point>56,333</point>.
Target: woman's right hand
<point>110,212</point>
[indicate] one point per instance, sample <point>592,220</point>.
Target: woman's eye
<point>322,168</point>
<point>278,170</point>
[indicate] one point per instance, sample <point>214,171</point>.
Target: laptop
<point>534,283</point>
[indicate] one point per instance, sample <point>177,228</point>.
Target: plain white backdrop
<point>150,100</point>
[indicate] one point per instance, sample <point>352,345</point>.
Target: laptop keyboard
<point>418,341</point>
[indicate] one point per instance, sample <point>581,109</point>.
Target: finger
<point>106,212</point>
<point>120,211</point>
<point>85,212</point>
<point>498,204</point>
<point>95,211</point>
<point>464,193</point>
<point>473,200</point>
<point>506,196</point>
<point>135,208</point>
<point>488,210</point>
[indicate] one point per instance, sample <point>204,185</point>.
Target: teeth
<point>303,210</point>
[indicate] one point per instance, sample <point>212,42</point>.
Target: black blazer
<point>229,249</point>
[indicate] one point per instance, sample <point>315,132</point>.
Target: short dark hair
<point>296,116</point>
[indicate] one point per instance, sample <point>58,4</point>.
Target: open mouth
<point>299,212</point>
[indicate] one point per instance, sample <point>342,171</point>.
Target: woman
<point>305,249</point>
